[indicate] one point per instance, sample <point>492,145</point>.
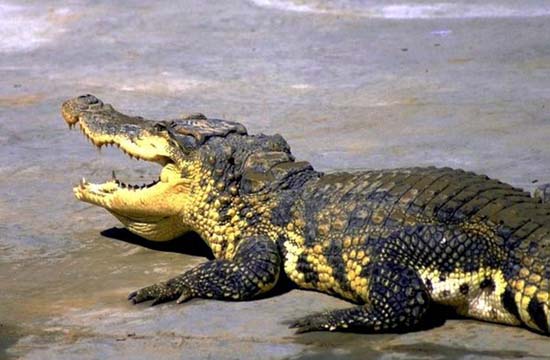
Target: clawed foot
<point>162,292</point>
<point>315,322</point>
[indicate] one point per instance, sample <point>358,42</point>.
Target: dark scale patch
<point>281,245</point>
<point>429,285</point>
<point>448,210</point>
<point>510,304</point>
<point>303,266</point>
<point>393,222</point>
<point>280,214</point>
<point>505,233</point>
<point>536,312</point>
<point>471,264</point>
<point>310,232</point>
<point>464,289</point>
<point>446,264</point>
<point>368,271</point>
<point>487,284</point>
<point>351,195</point>
<point>359,217</point>
<point>533,248</point>
<point>336,262</point>
<point>254,220</point>
<point>442,277</point>
<point>380,197</point>
<point>511,270</point>
<point>313,206</point>
<point>447,213</point>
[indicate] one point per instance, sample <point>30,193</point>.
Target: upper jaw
<point>104,126</point>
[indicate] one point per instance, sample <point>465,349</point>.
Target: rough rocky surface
<point>466,85</point>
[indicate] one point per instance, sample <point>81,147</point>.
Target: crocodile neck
<point>252,195</point>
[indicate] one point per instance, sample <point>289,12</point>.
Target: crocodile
<point>394,242</point>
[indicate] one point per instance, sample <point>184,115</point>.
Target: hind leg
<point>397,300</point>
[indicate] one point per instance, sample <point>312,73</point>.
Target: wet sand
<point>349,87</point>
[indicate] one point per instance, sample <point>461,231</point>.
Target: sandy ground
<point>350,86</point>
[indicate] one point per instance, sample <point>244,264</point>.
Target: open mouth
<point>113,185</point>
<point>95,192</point>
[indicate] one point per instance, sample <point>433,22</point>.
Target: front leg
<point>253,270</point>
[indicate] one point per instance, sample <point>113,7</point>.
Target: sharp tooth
<point>83,182</point>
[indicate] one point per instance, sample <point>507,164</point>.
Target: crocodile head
<point>153,211</point>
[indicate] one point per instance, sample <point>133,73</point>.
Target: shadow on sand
<point>189,244</point>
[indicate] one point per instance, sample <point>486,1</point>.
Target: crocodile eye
<point>159,126</point>
<point>186,143</point>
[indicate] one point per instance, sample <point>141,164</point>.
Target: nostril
<point>87,99</point>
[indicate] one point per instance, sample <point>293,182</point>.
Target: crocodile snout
<point>73,107</point>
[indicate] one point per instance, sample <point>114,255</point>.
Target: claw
<point>139,296</point>
<point>315,322</point>
<point>132,295</point>
<point>303,330</point>
<point>161,293</point>
<point>184,297</point>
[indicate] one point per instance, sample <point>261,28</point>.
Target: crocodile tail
<point>528,294</point>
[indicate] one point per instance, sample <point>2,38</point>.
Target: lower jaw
<point>152,227</point>
<point>105,199</point>
<point>165,229</point>
<point>94,199</point>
